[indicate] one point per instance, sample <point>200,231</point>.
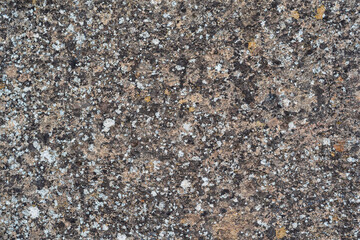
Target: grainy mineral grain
<point>184,119</point>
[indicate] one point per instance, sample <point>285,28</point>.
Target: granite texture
<point>194,119</point>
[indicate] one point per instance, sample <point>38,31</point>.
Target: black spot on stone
<point>27,83</point>
<point>225,191</point>
<point>70,45</point>
<point>189,140</point>
<point>60,226</point>
<point>276,62</point>
<point>40,182</point>
<point>319,95</point>
<point>309,52</point>
<point>274,4</point>
<point>300,64</point>
<point>182,61</point>
<point>270,233</point>
<point>73,62</point>
<point>241,67</point>
<point>204,214</point>
<point>223,210</point>
<point>45,138</point>
<point>72,220</point>
<point>182,7</point>
<point>77,112</point>
<point>248,97</point>
<point>17,190</point>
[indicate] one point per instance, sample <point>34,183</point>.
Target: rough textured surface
<point>185,119</point>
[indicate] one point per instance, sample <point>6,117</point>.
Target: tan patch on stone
<point>231,225</point>
<point>98,69</point>
<point>258,124</point>
<point>280,233</point>
<point>190,219</point>
<point>197,97</point>
<point>320,12</point>
<point>181,101</point>
<point>295,14</point>
<point>273,122</point>
<point>23,77</point>
<point>11,71</point>
<point>357,95</point>
<point>105,18</point>
<point>340,79</point>
<point>227,53</point>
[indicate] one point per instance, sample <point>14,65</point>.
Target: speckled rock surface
<point>185,119</point>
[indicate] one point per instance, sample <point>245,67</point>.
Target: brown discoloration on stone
<point>24,77</point>
<point>340,146</point>
<point>11,71</point>
<point>233,222</point>
<point>357,95</point>
<point>191,219</point>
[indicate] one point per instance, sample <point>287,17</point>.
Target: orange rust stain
<point>251,46</point>
<point>320,12</point>
<point>147,99</point>
<point>340,79</point>
<point>340,146</point>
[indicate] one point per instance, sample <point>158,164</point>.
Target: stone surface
<point>188,119</point>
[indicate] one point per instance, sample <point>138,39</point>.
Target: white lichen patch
<point>155,41</point>
<point>58,46</point>
<point>326,141</point>
<point>291,125</point>
<point>218,67</point>
<point>121,236</point>
<point>185,184</point>
<point>108,123</point>
<point>187,127</point>
<point>48,155</point>
<point>33,212</point>
<point>180,154</point>
<point>351,160</point>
